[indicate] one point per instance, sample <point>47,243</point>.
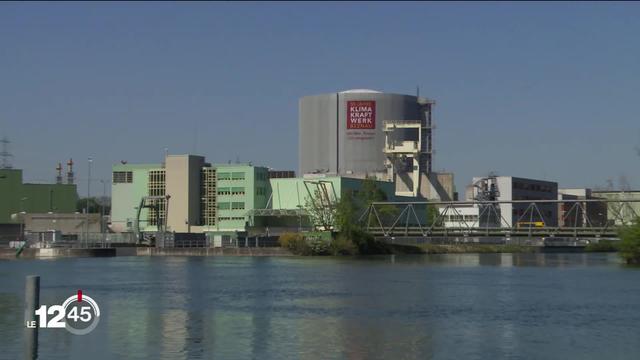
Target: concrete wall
<point>65,223</point>
<point>183,186</point>
<point>437,186</point>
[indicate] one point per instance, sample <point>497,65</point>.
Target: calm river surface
<point>490,306</point>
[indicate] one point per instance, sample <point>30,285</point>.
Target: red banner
<point>361,114</point>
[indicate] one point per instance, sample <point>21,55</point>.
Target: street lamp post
<point>90,161</point>
<point>22,213</point>
<point>299,218</point>
<point>102,212</point>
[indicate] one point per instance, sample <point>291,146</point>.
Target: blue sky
<point>543,90</point>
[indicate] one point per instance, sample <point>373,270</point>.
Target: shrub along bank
<point>360,243</point>
<point>630,243</point>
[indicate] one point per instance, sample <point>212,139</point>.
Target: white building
<point>509,188</point>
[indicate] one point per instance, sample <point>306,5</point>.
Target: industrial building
<point>504,188</point>
<point>581,214</point>
<point>508,188</point>
<point>307,202</point>
<point>360,133</point>
<point>620,213</point>
<point>20,199</point>
<point>18,196</point>
<point>225,202</point>
<point>185,194</point>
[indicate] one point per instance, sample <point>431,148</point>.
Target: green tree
<point>630,243</point>
<point>346,212</point>
<point>432,214</point>
<point>321,210</point>
<point>351,233</point>
<point>370,193</point>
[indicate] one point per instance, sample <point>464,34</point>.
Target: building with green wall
<point>295,193</point>
<point>17,196</point>
<point>240,188</point>
<point>224,201</point>
<point>195,196</point>
<point>129,184</point>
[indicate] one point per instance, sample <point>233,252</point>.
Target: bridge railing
<point>533,218</point>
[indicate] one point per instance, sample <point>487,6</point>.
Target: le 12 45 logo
<point>79,314</point>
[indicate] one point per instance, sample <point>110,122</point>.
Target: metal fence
<point>108,240</point>
<point>83,240</point>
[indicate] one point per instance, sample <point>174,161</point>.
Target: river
<point>469,306</point>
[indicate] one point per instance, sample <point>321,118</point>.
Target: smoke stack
<point>59,174</point>
<point>70,175</point>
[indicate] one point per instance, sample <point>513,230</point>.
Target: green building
<point>305,203</point>
<point>189,196</point>
<point>295,193</point>
<point>33,198</point>
<point>185,194</point>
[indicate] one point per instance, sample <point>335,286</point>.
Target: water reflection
<point>483,306</point>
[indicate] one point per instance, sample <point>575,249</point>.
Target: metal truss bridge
<point>410,219</point>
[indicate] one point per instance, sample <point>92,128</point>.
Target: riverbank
<point>468,248</point>
<point>240,251</point>
<point>52,253</point>
<point>463,249</point>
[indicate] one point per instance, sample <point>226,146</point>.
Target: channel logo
<point>79,314</point>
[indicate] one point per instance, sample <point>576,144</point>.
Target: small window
<point>120,177</point>
<point>237,206</point>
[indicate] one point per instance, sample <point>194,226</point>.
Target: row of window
<point>231,206</point>
<point>517,185</point>
<point>231,218</point>
<point>461,217</point>
<point>231,191</point>
<point>231,176</point>
<point>120,177</point>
